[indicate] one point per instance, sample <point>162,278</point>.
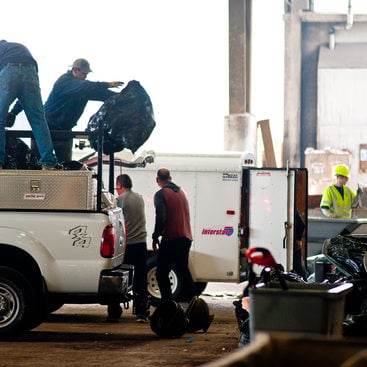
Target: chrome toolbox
<point>47,190</point>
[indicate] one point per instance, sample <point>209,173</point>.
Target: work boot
<point>141,309</point>
<point>142,319</point>
<point>57,167</point>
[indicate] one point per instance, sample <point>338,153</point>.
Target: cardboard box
<point>289,350</point>
<point>320,165</point>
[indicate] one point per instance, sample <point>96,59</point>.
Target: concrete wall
<point>325,103</point>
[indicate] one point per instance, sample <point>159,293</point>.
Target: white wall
<point>342,114</point>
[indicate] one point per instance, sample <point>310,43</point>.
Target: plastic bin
<point>302,308</point>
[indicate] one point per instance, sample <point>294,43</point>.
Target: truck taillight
<point>108,241</point>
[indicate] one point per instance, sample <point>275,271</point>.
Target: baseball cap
<point>83,65</point>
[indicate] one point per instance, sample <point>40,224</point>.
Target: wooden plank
<point>268,143</point>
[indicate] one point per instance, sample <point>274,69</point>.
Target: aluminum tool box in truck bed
<point>62,240</point>
<point>47,190</point>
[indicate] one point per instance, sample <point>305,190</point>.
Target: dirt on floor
<point>79,335</point>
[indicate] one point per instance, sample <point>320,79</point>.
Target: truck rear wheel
<point>176,284</point>
<point>16,303</point>
<point>54,306</point>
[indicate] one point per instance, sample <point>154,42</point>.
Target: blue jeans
<point>22,82</point>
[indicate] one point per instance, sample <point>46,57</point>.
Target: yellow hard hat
<point>341,170</point>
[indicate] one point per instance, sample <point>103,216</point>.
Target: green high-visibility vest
<point>341,206</point>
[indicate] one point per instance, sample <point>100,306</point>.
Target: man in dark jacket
<point>19,79</point>
<point>66,103</point>
<point>172,226</point>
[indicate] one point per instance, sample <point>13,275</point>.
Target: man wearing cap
<point>19,79</point>
<point>66,103</point>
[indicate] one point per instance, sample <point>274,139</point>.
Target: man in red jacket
<point>172,235</point>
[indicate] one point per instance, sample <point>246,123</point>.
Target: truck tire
<point>16,303</point>
<point>200,287</point>
<point>114,311</point>
<point>176,284</point>
<point>54,306</point>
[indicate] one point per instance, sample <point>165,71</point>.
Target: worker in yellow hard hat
<point>338,199</point>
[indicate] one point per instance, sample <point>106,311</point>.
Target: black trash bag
<point>168,320</point>
<point>127,118</point>
<point>18,155</point>
<point>198,316</point>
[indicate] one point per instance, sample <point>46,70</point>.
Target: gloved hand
<point>115,84</point>
<point>155,244</point>
<point>10,119</point>
<point>358,200</point>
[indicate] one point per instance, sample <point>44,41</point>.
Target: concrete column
<point>240,133</point>
<point>239,12</point>
<point>292,83</point>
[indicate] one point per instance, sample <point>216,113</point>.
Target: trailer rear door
<point>269,211</point>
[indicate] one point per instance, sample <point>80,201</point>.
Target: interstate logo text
<point>226,231</point>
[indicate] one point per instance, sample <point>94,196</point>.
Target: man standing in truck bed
<point>19,79</point>
<point>172,225</point>
<point>66,103</point>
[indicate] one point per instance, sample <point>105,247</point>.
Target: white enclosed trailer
<point>233,206</point>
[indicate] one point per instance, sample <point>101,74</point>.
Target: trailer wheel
<point>16,303</point>
<point>153,289</point>
<point>176,284</point>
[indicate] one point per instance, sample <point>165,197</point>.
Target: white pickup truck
<point>62,240</point>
